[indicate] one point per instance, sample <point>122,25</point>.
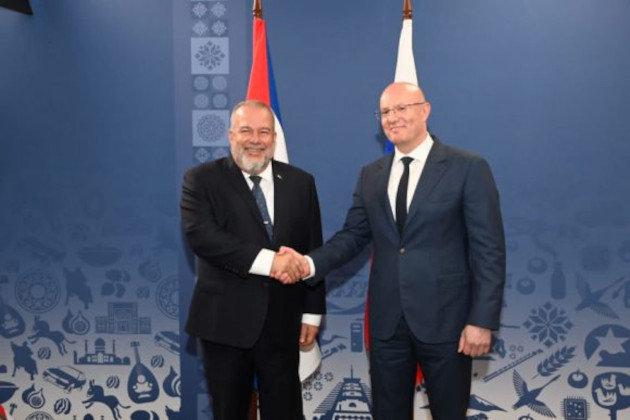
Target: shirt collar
<point>266,174</point>
<point>420,153</point>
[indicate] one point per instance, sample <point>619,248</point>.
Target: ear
<point>426,111</point>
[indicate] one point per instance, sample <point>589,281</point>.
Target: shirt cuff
<point>263,262</point>
<point>312,319</point>
<point>311,265</point>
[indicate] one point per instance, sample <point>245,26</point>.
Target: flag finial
<point>257,9</point>
<point>407,12</point>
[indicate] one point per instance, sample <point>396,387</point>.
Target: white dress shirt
<point>419,156</point>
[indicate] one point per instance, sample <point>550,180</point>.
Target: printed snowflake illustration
<point>211,128</point>
<point>307,385</point>
<point>200,28</point>
<point>210,55</point>
<point>219,28</point>
<point>218,9</point>
<point>220,152</point>
<point>329,376</point>
<point>202,155</point>
<point>200,10</point>
<point>308,396</point>
<point>318,386</point>
<point>548,325</point>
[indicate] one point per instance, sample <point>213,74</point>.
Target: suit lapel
<point>434,169</point>
<point>382,181</point>
<point>282,210</point>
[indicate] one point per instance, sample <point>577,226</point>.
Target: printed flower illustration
<point>210,55</point>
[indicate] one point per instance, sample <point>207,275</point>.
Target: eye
<point>401,108</point>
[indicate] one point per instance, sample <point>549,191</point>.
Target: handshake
<point>289,266</point>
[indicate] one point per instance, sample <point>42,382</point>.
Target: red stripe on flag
<point>259,77</point>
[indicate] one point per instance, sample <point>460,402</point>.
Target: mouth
<point>395,128</point>
<point>254,150</point>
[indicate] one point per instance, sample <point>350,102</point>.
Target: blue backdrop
<point>103,106</point>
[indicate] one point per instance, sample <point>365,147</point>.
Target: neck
<point>407,148</point>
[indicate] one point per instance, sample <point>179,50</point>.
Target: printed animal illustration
<point>22,358</point>
<point>42,330</point>
<point>96,394</point>
<point>172,414</point>
<point>76,285</point>
<point>530,397</point>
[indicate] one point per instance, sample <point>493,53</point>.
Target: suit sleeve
<point>349,241</point>
<point>316,294</point>
<point>486,245</point>
<point>206,238</point>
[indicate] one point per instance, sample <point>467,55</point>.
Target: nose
<point>392,116</point>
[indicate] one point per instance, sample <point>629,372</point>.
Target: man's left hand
<point>475,341</point>
<point>308,334</point>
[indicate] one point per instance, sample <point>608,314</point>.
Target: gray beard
<point>254,167</point>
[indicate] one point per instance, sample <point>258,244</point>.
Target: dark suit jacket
<point>447,269</point>
<point>225,231</point>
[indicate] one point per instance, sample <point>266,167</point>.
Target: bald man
<point>436,286</point>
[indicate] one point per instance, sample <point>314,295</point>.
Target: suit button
<point>402,250</point>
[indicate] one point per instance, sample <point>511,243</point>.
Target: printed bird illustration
<point>591,299</point>
<point>529,398</point>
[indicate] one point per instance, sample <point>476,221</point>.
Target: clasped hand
<point>289,266</point>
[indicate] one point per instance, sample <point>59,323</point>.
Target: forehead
<point>400,94</point>
<point>253,116</point>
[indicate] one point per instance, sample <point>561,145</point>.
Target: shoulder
<point>286,170</point>
<point>378,164</point>
<point>207,168</point>
<point>444,150</point>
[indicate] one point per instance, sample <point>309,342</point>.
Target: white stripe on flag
<point>405,64</point>
<point>280,154</point>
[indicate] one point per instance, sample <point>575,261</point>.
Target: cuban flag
<point>262,87</point>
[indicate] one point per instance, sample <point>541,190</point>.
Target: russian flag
<point>262,87</point>
<point>405,63</point>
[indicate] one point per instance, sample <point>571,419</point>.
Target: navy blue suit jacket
<point>447,269</point>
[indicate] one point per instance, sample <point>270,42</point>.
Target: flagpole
<point>407,10</point>
<point>253,405</point>
<point>257,9</point>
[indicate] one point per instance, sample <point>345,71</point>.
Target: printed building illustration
<point>350,399</point>
<point>122,318</point>
<point>100,357</point>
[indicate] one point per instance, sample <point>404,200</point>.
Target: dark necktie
<point>401,195</point>
<point>262,204</point>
